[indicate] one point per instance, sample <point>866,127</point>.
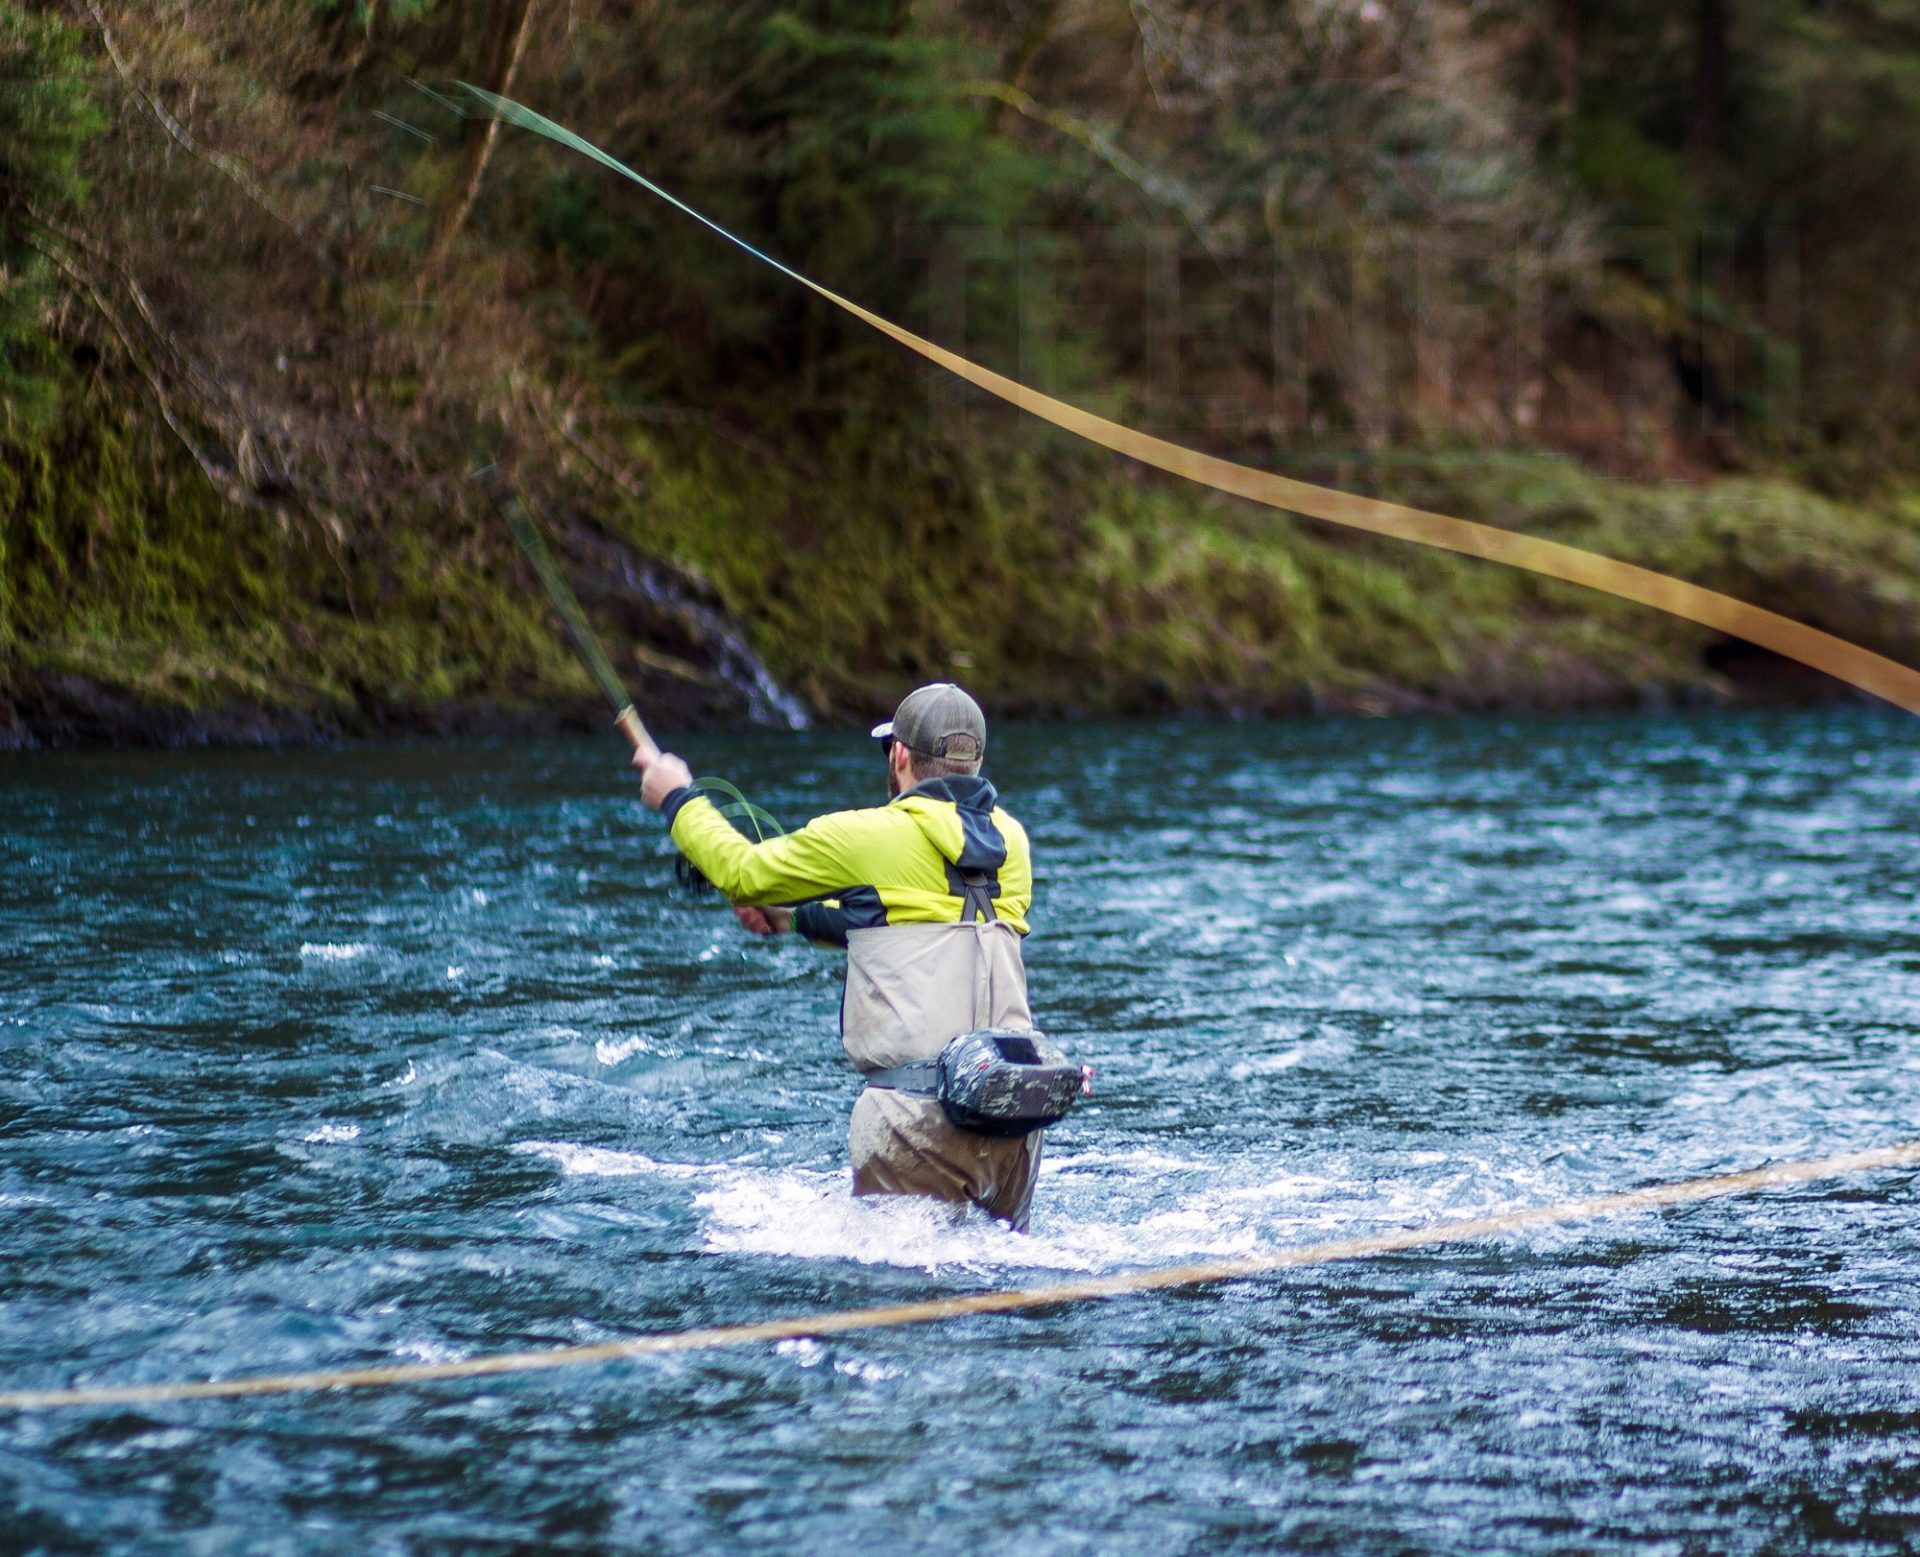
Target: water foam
<point>604,1163</point>
<point>1101,1210</point>
<point>610,1051</point>
<point>797,1214</point>
<point>333,951</point>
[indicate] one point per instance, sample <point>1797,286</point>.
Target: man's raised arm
<point>795,868</point>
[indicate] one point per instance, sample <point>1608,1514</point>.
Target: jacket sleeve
<point>813,862</point>
<point>825,924</point>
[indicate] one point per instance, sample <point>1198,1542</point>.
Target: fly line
<point>1845,661</point>
<point>1652,1197</point>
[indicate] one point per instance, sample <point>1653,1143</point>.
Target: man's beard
<point>893,782</point>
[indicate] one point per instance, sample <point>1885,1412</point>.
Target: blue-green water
<point>388,1054</point>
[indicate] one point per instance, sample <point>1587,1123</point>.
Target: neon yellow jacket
<point>901,863</point>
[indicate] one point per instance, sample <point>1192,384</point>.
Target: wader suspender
<point>977,897</point>
<point>921,1078</point>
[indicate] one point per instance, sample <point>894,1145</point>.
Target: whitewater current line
<point>1653,1197</point>
<point>1870,672</point>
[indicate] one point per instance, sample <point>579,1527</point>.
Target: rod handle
<point>629,725</point>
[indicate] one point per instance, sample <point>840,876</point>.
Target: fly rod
<point>752,821</point>
<point>527,533</point>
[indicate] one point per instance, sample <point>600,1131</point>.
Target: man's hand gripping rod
<point>646,750</point>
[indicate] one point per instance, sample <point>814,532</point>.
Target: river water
<point>390,1054</point>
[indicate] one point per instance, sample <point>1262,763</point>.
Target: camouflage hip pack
<point>994,1082</point>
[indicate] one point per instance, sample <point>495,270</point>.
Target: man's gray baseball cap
<point>938,721</point>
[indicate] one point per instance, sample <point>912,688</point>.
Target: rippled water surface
<point>391,1054</point>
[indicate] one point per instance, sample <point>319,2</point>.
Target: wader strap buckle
<point>977,897</point>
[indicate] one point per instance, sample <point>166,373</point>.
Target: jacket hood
<point>956,816</point>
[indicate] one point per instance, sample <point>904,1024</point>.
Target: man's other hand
<point>661,777</point>
<point>763,921</point>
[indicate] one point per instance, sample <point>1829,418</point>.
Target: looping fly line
<point>1848,662</point>
<point>1654,1197</point>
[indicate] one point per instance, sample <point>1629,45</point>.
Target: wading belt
<point>994,1081</point>
<point>919,1078</point>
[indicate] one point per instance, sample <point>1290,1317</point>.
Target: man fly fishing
<point>929,894</point>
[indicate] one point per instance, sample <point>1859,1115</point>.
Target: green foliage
<point>1635,179</point>
<point>47,119</point>
<point>1802,151</point>
<point>839,137</point>
<point>363,13</point>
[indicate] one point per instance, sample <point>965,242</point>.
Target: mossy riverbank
<point>264,304</point>
<point>140,605</point>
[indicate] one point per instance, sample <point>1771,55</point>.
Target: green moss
<point>126,567</point>
<point>1055,578</point>
<point>1068,581</point>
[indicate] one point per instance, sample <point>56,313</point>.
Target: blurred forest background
<point>1639,275</point>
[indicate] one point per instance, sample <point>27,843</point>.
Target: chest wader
<point>918,993</point>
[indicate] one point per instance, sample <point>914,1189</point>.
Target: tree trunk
<point>1570,15</point>
<point>1710,60</point>
<point>1019,59</point>
<point>505,48</point>
<point>361,47</point>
